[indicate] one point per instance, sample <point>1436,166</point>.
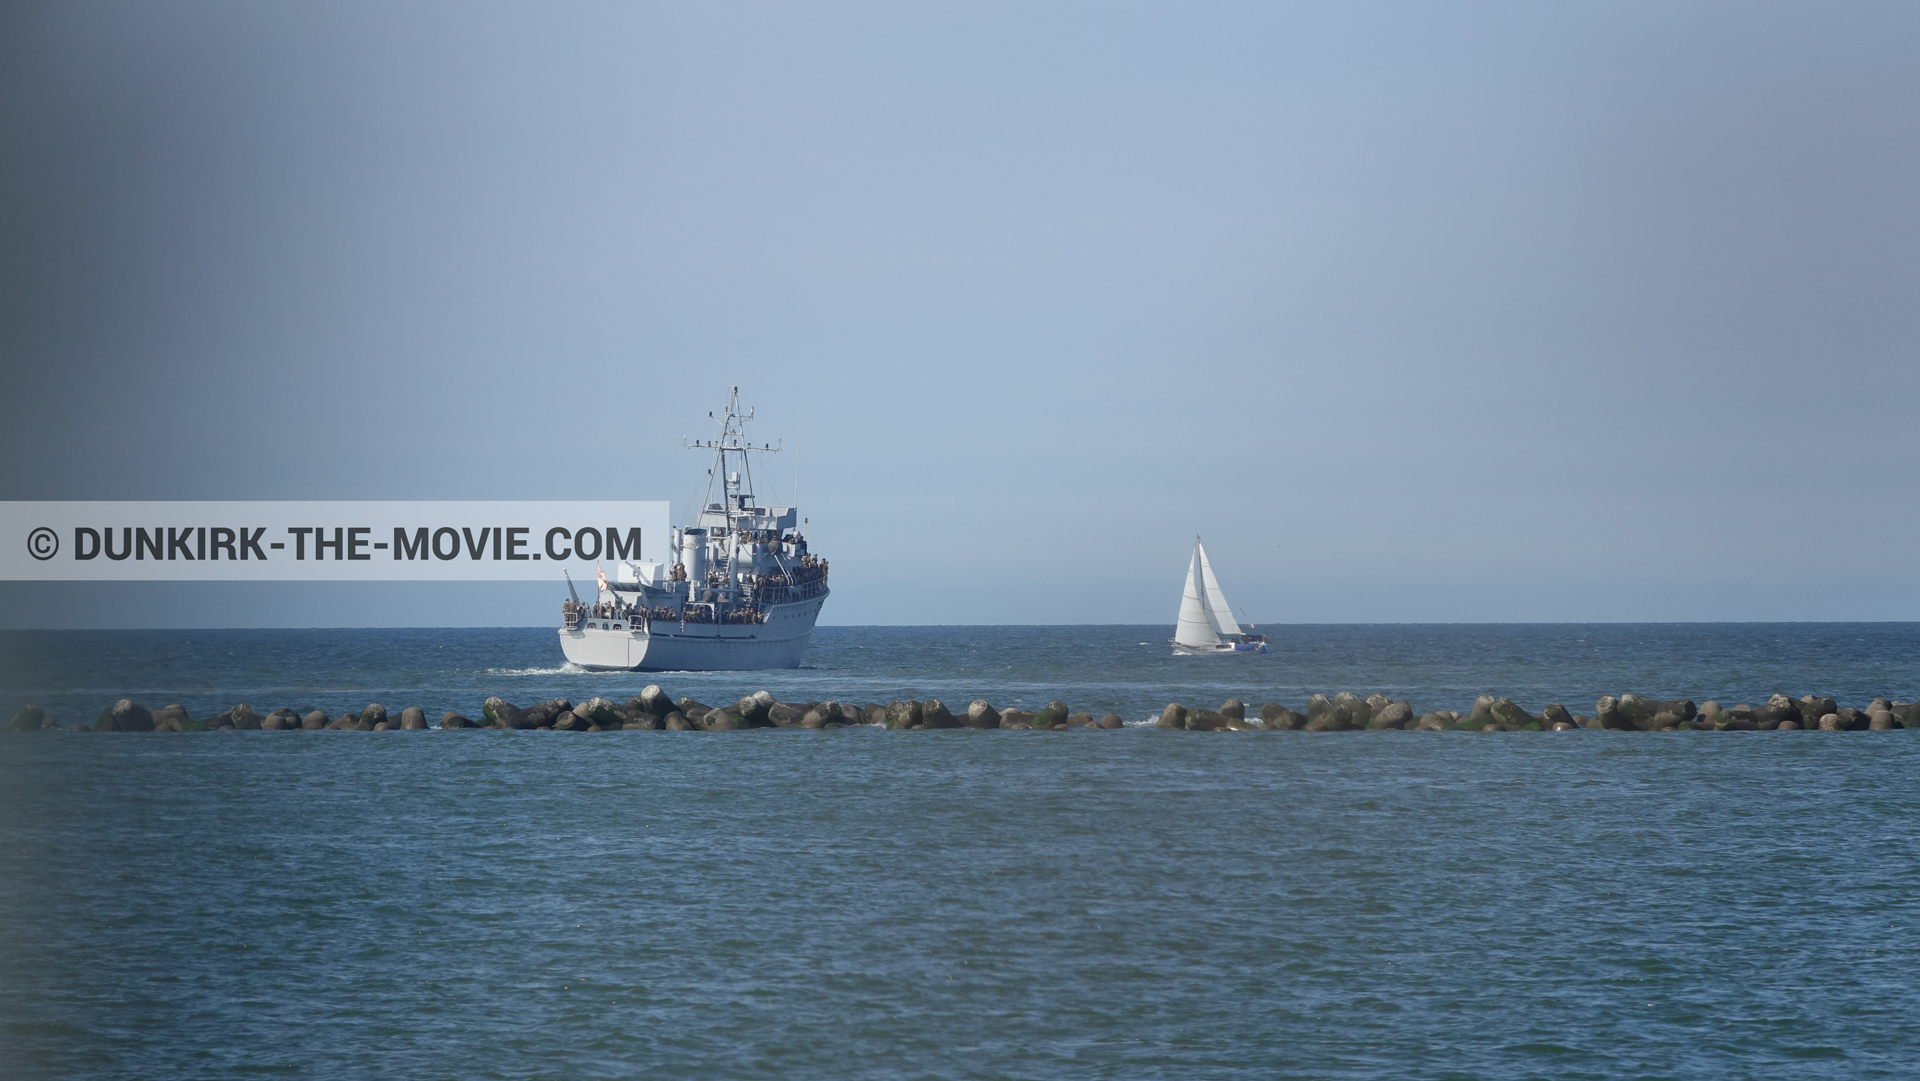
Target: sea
<point>862,903</point>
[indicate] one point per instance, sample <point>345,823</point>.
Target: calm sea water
<point>879,904</point>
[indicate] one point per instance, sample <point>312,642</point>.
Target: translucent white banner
<point>326,541</point>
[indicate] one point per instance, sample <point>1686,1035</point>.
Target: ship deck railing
<point>789,594</point>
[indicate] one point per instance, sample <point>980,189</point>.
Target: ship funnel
<point>693,556</point>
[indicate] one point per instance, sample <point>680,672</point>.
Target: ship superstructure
<point>741,590</point>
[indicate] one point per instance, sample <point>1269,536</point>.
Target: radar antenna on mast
<point>736,484</point>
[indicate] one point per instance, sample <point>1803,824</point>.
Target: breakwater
<point>653,709</point>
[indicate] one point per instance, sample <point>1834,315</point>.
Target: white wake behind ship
<point>740,590</point>
<point>1206,620</point>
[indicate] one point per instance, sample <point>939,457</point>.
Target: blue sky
<point>1417,312</point>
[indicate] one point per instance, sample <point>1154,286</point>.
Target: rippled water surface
<point>1131,670</point>
<point>862,903</point>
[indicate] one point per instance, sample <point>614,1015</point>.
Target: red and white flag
<point>603,575</point>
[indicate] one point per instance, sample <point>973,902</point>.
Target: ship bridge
<point>745,516</point>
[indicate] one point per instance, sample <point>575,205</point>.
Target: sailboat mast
<point>1195,628</point>
<point>1217,607</point>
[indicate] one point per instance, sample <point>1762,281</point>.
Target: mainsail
<point>1197,627</point>
<point>1217,608</point>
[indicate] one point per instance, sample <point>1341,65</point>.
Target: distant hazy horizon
<point>1419,313</point>
<point>388,605</point>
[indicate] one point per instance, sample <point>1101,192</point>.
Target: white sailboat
<point>1206,620</point>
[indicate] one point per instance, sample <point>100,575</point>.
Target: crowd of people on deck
<point>804,571</point>
<point>704,613</point>
<point>573,613</point>
<point>704,606</point>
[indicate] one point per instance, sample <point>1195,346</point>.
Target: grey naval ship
<point>741,592</point>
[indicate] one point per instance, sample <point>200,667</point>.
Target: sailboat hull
<point>1224,647</point>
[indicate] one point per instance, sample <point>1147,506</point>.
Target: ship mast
<point>736,484</point>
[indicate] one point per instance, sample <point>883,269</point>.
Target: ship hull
<point>609,645</point>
